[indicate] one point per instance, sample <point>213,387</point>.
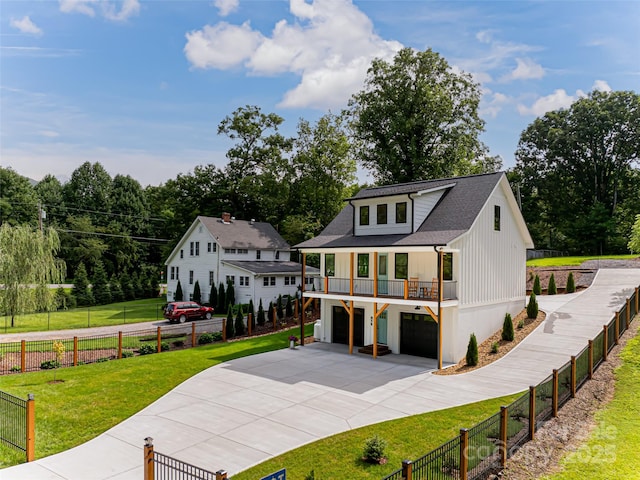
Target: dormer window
<point>381,214</point>
<point>364,215</point>
<point>401,212</point>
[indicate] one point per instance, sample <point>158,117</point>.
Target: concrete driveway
<point>242,412</point>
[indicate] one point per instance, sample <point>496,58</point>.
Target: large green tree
<point>49,192</point>
<point>89,191</point>
<point>28,264</point>
<point>417,119</point>
<point>18,201</point>
<point>577,170</point>
<point>634,240</point>
<point>258,173</point>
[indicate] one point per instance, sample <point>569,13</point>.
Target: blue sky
<point>141,86</point>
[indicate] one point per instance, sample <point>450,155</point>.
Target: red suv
<point>181,311</point>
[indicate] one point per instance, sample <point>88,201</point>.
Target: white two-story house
<point>250,255</point>
<point>416,268</point>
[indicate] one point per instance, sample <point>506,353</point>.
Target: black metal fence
<point>484,449</point>
<point>158,466</point>
<point>17,428</point>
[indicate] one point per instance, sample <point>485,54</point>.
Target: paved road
<point>242,412</point>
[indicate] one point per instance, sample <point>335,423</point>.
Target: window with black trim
<point>330,265</point>
<point>363,265</point>
<point>231,279</point>
<point>277,255</point>
<point>381,214</point>
<point>364,215</point>
<point>258,253</point>
<point>197,249</point>
<point>401,212</point>
<point>173,273</point>
<point>181,253</point>
<point>190,277</point>
<point>191,249</point>
<point>496,218</point>
<point>402,266</point>
<point>211,278</point>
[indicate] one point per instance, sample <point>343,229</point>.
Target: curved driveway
<point>242,412</point>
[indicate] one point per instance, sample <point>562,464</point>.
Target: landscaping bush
<point>164,346</point>
<point>178,343</point>
<point>289,308</point>
<point>221,306</point>
<point>472,351</point>
<point>271,314</point>
<point>197,296</point>
<point>206,338</point>
<point>217,336</point>
<point>178,296</point>
<point>230,330</point>
<point>251,314</point>
<point>49,365</point>
<point>507,328</point>
<point>102,360</point>
<point>532,306</point>
<point>520,324</point>
<point>147,349</point>
<point>230,295</point>
<point>239,324</point>
<point>261,318</point>
<point>494,347</point>
<point>213,296</point>
<point>15,368</point>
<point>279,309</point>
<point>374,449</point>
<point>551,289</point>
<point>127,354</point>
<point>536,285</point>
<point>571,284</point>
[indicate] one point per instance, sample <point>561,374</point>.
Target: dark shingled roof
<point>261,268</point>
<point>452,216</point>
<point>245,234</point>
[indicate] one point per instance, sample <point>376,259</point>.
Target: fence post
<point>617,330</point>
<point>31,428</point>
<point>605,340</point>
<point>554,394</point>
<point>221,475</point>
<point>637,299</point>
<point>532,412</point>
<point>407,469</point>
<point>149,471</point>
<point>119,345</point>
<point>573,376</point>
<point>590,359</point>
<point>464,445</point>
<point>159,347</point>
<point>628,314</point>
<point>75,351</point>
<point>504,417</point>
<point>23,356</point>
<point>193,334</point>
<point>249,318</point>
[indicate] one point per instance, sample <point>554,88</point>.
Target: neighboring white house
<point>251,255</point>
<point>415,268</point>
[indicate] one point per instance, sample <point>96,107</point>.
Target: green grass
<point>339,456</point>
<point>94,398</point>
<point>113,314</point>
<point>573,261</point>
<point>612,448</point>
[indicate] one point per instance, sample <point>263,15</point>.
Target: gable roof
<point>237,234</point>
<point>452,216</point>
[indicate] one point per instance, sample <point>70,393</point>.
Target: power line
<point>115,235</point>
<point>101,212</point>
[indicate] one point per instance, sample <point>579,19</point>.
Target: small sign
<point>279,475</point>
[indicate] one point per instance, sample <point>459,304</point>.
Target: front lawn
<point>573,261</point>
<point>99,316</point>
<point>612,448</point>
<point>94,398</point>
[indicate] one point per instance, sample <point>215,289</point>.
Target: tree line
<point>576,176</point>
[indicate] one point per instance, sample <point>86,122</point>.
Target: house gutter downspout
<point>412,212</point>
<point>439,252</point>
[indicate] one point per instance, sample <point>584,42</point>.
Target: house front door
<point>383,275</point>
<point>382,328</point>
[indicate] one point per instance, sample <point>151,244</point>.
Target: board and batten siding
<point>423,205</point>
<point>492,263</point>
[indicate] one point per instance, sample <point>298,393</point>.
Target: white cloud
<point>557,100</point>
<point>526,69</point>
<point>225,7</point>
<point>330,46</point>
<point>49,133</point>
<point>26,25</point>
<point>601,85</point>
<point>107,8</point>
<point>492,103</point>
<point>221,46</point>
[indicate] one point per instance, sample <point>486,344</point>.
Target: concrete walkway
<point>242,412</point>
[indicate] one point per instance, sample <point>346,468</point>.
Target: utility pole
<point>41,215</point>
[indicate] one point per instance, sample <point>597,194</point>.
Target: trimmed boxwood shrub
<point>472,351</point>
<point>147,349</point>
<point>49,365</point>
<point>127,354</point>
<point>551,289</point>
<point>536,285</point>
<point>206,338</point>
<point>532,306</point>
<point>507,328</point>
<point>571,284</point>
